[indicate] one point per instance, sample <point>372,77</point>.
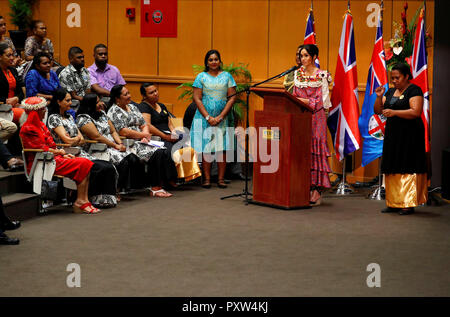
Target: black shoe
<point>11,225</point>
<point>406,211</point>
<point>388,209</point>
<point>5,240</point>
<point>221,183</point>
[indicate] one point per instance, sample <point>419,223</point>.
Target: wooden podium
<point>288,186</point>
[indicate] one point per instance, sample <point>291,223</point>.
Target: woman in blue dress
<point>212,128</point>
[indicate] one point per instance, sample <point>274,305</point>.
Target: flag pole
<point>379,191</point>
<point>343,188</point>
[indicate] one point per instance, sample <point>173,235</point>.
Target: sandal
<point>221,183</point>
<point>86,208</point>
<point>206,183</point>
<point>159,193</point>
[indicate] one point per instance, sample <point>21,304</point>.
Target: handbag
<point>49,189</point>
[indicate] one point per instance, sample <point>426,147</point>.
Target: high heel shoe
<point>86,208</point>
<point>318,202</point>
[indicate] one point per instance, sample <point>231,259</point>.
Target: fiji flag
<point>344,112</point>
<point>310,33</point>
<point>371,126</point>
<point>420,73</point>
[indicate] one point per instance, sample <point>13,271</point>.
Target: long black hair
<point>3,48</point>
<point>88,105</point>
<point>37,59</point>
<point>312,50</point>
<point>404,69</point>
<point>58,95</point>
<point>143,87</point>
<point>115,93</point>
<point>208,54</point>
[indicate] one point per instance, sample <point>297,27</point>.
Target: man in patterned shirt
<point>75,77</point>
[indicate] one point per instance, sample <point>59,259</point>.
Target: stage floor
<point>195,244</point>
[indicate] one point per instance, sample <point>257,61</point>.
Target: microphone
<point>289,70</point>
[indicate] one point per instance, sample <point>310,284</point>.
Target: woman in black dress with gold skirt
<point>404,159</point>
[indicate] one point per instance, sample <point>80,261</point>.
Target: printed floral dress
<point>315,88</point>
<point>103,177</point>
<point>204,138</point>
<point>56,120</point>
<point>115,156</point>
<point>131,120</point>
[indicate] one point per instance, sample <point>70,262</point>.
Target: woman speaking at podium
<point>311,87</point>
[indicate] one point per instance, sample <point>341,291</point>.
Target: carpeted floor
<point>195,244</point>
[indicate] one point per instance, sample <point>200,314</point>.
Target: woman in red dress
<point>311,87</point>
<point>35,135</point>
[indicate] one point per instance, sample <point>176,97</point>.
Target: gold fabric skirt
<point>186,163</point>
<point>406,190</point>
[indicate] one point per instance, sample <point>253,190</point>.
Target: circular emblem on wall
<point>157,16</point>
<point>377,124</point>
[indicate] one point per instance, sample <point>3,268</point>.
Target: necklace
<point>402,91</point>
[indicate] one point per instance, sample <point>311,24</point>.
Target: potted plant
<point>241,75</point>
<point>21,14</point>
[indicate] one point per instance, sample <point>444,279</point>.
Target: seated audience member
<point>62,126</point>
<point>41,81</point>
<point>7,129</point>
<point>158,120</point>
<point>128,121</point>
<point>35,135</point>
<point>156,115</point>
<point>38,43</point>
<point>103,75</point>
<point>7,41</point>
<point>11,86</point>
<point>93,123</point>
<point>75,77</point>
<point>7,224</point>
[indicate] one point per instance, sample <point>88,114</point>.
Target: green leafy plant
<point>402,44</point>
<point>21,13</point>
<point>241,75</point>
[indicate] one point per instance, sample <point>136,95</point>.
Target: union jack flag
<point>310,33</point>
<point>373,147</point>
<point>419,67</point>
<point>344,112</point>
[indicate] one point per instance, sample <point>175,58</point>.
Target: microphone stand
<point>245,193</point>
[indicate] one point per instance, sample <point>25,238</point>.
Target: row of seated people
<point>35,43</point>
<point>135,166</point>
<point>37,77</point>
<point>101,76</point>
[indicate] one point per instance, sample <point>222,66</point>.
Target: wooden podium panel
<point>288,185</point>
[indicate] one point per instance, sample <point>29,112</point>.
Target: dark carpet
<point>195,244</point>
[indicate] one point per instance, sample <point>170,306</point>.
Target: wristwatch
<point>207,117</point>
